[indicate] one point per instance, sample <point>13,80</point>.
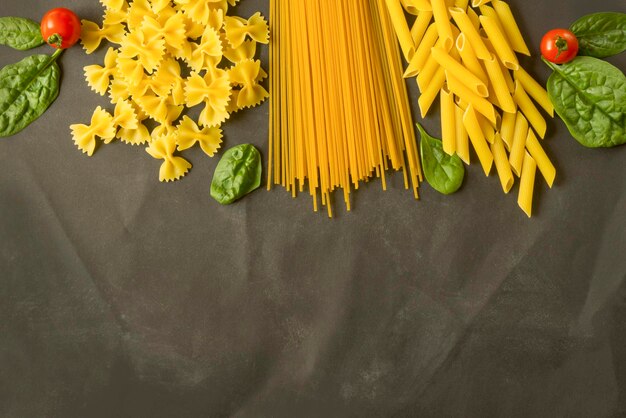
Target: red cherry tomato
<point>559,46</point>
<point>60,28</point>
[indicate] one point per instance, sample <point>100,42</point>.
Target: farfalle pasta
<point>169,56</point>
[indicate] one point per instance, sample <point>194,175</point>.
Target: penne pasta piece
<point>401,27</point>
<point>461,3</point>
<point>474,18</point>
<point>448,129</point>
<point>468,56</point>
<point>478,140</point>
<point>421,24</point>
<point>465,25</point>
<point>409,7</point>
<point>516,157</point>
<point>442,20</point>
<point>457,70</point>
<point>489,131</point>
<point>534,90</point>
<point>500,88</point>
<point>462,140</point>
<point>431,90</point>
<point>502,164</point>
<point>529,109</point>
<point>420,5</point>
<point>508,128</point>
<point>478,3</point>
<point>480,104</point>
<point>499,42</point>
<point>541,158</point>
<point>527,184</point>
<point>427,73</point>
<point>510,26</point>
<point>489,11</point>
<point>422,53</point>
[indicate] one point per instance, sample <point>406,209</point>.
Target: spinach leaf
<point>20,33</point>
<point>589,94</point>
<point>601,34</point>
<point>237,174</point>
<point>27,89</point>
<point>442,171</point>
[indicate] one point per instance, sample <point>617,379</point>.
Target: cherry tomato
<point>559,46</point>
<point>60,28</point>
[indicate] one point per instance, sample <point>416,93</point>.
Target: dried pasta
<point>168,56</point>
<point>339,116</point>
<point>486,98</point>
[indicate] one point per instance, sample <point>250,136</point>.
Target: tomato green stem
<point>56,40</point>
<point>561,45</point>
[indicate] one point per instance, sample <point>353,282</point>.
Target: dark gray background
<point>121,296</point>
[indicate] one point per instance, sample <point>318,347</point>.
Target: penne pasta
<point>502,164</point>
<point>489,131</point>
<point>442,20</point>
<point>420,5</point>
<point>527,184</point>
<point>431,90</point>
<point>421,24</point>
<point>498,82</point>
<point>448,129</point>
<point>469,59</point>
<point>478,3</point>
<point>401,28</point>
<point>462,140</point>
<point>511,29</point>
<point>480,104</point>
<point>508,128</point>
<point>529,109</point>
<point>478,140</point>
<point>422,53</point>
<point>541,158</point>
<point>461,3</point>
<point>473,18</point>
<point>465,25</point>
<point>499,42</point>
<point>457,70</point>
<point>410,7</point>
<point>516,157</point>
<point>534,90</point>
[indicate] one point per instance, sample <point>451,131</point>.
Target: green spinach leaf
<point>237,174</point>
<point>589,94</point>
<point>601,34</point>
<point>20,33</point>
<point>443,172</point>
<point>27,89</point>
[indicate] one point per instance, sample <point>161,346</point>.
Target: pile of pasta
<point>339,108</point>
<point>466,55</point>
<point>170,56</point>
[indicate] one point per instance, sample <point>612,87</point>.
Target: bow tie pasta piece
<point>91,35</point>
<point>101,126</point>
<point>172,168</point>
<point>245,51</point>
<point>124,115</point>
<point>188,134</point>
<point>148,50</point>
<point>114,5</point>
<point>237,29</point>
<point>159,42</point>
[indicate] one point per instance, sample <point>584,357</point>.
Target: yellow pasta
<point>431,90</point>
<point>468,56</point>
<point>511,29</point>
<point>442,20</point>
<point>467,28</point>
<point>478,139</point>
<point>539,155</point>
<point>530,110</point>
<point>448,129</point>
<point>462,140</point>
<point>457,70</point>
<point>535,90</point>
<point>507,128</point>
<point>516,158</point>
<point>158,40</point>
<point>527,184</point>
<point>499,42</point>
<point>421,24</point>
<point>402,28</point>
<point>502,164</point>
<point>422,53</point>
<point>480,104</point>
<point>498,82</point>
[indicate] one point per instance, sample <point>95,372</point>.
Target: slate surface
<point>123,297</point>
